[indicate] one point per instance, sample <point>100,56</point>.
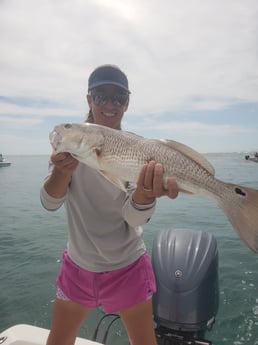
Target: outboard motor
<point>185,263</point>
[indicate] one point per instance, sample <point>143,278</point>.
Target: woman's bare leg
<point>139,324</point>
<point>67,319</point>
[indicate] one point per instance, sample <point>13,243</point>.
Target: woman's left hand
<point>150,184</point>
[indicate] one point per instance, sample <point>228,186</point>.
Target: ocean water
<point>32,241</point>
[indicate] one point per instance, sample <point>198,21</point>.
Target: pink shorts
<point>113,290</point>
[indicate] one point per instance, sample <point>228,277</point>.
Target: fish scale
<point>120,155</point>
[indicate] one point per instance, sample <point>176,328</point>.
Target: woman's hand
<point>150,184</point>
<point>64,163</point>
<point>57,183</point>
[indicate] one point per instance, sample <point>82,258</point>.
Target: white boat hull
<point>32,335</point>
<point>4,164</point>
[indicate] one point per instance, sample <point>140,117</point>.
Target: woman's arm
<point>53,191</point>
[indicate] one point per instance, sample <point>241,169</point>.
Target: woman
<point>105,262</point>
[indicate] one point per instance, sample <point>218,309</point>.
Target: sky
<point>192,67</point>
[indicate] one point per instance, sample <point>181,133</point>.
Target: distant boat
<point>253,158</point>
<point>4,162</point>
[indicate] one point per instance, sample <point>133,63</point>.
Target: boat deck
<point>32,335</point>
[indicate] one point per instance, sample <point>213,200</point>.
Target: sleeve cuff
<point>49,202</point>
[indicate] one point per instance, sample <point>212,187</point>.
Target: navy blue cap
<point>108,74</point>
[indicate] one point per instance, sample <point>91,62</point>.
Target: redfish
<point>119,156</point>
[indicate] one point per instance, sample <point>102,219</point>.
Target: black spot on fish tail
<point>240,191</point>
<point>68,125</point>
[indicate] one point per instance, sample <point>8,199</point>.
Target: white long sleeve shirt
<point>104,224</point>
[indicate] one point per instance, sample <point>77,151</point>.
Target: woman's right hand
<point>64,162</point>
<point>57,183</point>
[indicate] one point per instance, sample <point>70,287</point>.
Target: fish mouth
<point>55,139</point>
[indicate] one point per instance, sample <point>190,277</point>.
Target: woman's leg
<point>67,318</point>
<point>139,324</point>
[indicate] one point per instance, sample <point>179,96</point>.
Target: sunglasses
<point>118,99</point>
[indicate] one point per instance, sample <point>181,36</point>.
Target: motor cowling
<point>185,263</point>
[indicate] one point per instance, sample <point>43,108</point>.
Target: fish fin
<point>185,191</point>
<point>240,205</point>
<point>114,180</point>
<point>190,153</point>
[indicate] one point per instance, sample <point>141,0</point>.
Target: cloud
<point>16,122</point>
<point>189,128</point>
<point>22,145</point>
<point>45,110</point>
<point>178,49</point>
<point>180,56</point>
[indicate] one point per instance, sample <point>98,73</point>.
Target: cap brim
<point>108,82</point>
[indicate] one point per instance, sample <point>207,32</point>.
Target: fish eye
<point>67,125</point>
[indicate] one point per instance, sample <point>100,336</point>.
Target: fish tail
<point>240,205</point>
